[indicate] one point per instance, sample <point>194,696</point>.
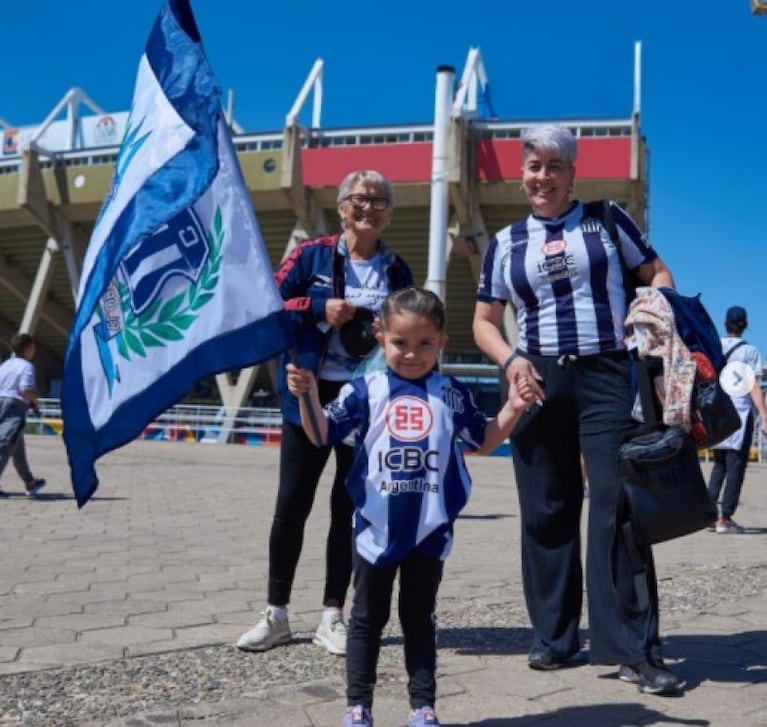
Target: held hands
<point>300,381</point>
<point>524,386</point>
<point>522,393</point>
<point>338,311</point>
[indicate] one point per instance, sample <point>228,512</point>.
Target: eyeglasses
<point>361,200</point>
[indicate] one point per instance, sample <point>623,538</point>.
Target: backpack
<point>712,413</point>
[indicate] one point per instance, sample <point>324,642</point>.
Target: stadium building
<point>54,176</point>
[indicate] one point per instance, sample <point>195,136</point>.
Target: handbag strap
<point>651,409</point>
<point>623,531</point>
<point>639,572</point>
<point>732,350</point>
<point>602,210</point>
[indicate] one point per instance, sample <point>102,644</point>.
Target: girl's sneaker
<point>358,716</point>
<point>34,487</point>
<point>423,717</point>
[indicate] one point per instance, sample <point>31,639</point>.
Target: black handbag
<point>663,493</point>
<point>663,490</point>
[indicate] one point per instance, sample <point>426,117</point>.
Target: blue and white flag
<point>176,281</point>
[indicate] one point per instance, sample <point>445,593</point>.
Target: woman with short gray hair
<point>561,270</point>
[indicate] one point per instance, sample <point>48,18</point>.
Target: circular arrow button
<point>737,378</point>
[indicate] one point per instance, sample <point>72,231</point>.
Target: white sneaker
<point>267,633</point>
<point>332,634</point>
<point>727,526</point>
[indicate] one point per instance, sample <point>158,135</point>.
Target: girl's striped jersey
<point>564,278</point>
<point>409,480</point>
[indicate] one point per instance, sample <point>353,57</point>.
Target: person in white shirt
<point>17,396</point>
<point>731,454</point>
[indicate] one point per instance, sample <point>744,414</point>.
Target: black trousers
<point>587,410</point>
<point>301,464</point>
<point>419,579</point>
<point>730,463</point>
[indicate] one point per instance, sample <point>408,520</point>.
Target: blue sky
<point>703,90</point>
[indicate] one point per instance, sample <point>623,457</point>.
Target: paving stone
<point>125,635</point>
<point>35,636</point>
<point>80,621</point>
<point>8,653</point>
<point>218,537</point>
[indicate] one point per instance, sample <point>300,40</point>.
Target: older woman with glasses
<point>333,287</point>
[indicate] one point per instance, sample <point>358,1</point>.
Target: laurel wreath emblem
<point>165,321</point>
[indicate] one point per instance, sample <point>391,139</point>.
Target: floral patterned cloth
<point>652,321</point>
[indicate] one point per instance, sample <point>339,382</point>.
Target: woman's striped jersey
<point>564,278</point>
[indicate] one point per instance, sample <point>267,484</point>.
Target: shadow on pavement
<point>736,658</point>
<point>54,497</point>
<point>485,640</point>
<point>496,640</point>
<point>488,516</point>
<point>604,715</point>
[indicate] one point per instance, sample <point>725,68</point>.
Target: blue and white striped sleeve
<point>636,250</point>
<point>470,421</point>
<point>492,286</point>
<point>345,412</point>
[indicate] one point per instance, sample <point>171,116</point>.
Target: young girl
<point>408,483</point>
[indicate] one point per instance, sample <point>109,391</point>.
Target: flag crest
<point>167,290</point>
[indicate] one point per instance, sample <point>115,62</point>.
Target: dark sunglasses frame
<point>360,200</point>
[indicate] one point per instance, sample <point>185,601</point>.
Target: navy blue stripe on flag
<point>522,287</point>
<point>189,86</point>
<point>237,349</point>
<point>567,322</point>
<point>183,178</point>
<point>598,280</point>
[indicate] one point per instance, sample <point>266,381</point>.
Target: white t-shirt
<point>750,356</point>
<point>16,375</point>
<point>366,286</point>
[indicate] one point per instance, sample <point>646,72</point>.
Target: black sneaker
<point>651,679</point>
<point>544,660</point>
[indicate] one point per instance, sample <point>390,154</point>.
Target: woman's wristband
<point>505,365</point>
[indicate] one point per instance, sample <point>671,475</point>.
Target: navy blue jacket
<point>307,278</point>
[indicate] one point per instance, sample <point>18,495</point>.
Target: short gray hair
<point>365,176</point>
<point>554,137</point>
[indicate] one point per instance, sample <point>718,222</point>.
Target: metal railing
<point>198,422</point>
<point>216,423</point>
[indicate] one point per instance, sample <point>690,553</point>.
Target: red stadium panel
<point>398,162</point>
<point>607,158</point>
<point>497,159</point>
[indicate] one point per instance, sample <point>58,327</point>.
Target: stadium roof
<point>53,178</point>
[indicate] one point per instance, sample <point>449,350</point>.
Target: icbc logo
<point>409,419</point>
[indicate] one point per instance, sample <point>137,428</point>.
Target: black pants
<point>730,463</point>
<point>587,410</point>
<point>301,464</point>
<point>419,579</point>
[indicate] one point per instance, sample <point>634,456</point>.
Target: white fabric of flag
<point>176,280</point>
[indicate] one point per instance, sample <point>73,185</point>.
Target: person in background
<point>562,273</point>
<point>17,396</point>
<point>731,455</point>
<point>333,287</point>
<point>408,483</point>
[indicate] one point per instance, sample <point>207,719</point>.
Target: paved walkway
<point>124,613</point>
